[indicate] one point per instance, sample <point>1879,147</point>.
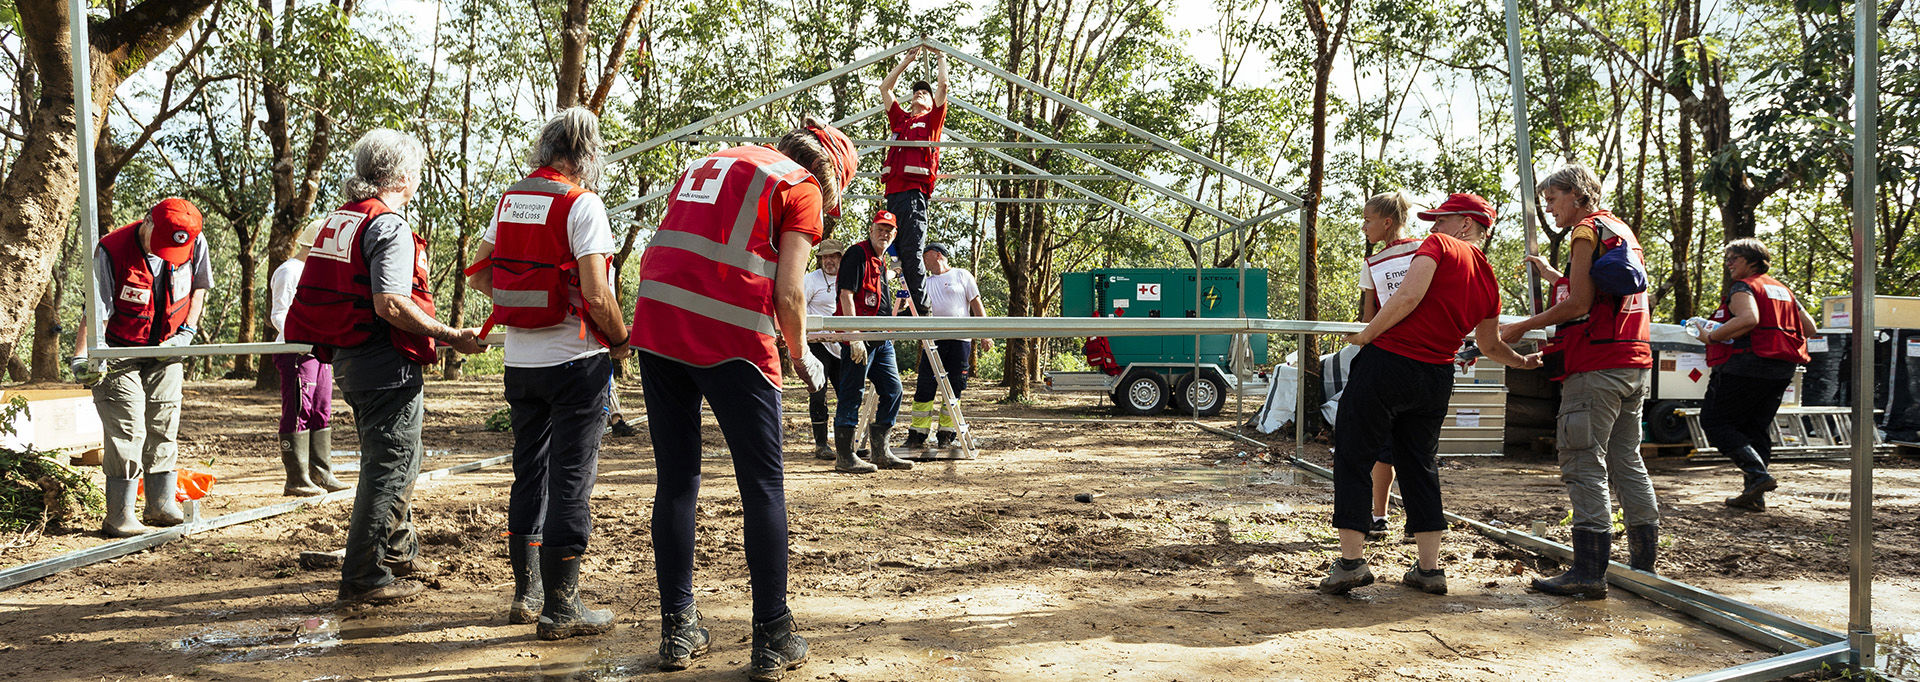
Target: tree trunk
<point>249,272</point>
<point>574,36</point>
<point>46,337</point>
<point>1327,39</point>
<point>1683,297</point>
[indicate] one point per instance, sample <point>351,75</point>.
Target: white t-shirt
<point>822,298</point>
<point>588,233</point>
<point>281,286</point>
<point>1387,268</point>
<point>949,293</point>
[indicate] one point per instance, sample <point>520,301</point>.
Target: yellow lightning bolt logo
<point>1213,298</point>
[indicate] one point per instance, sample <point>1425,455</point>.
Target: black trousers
<point>558,415</point>
<point>748,409</point>
<point>817,406</point>
<point>380,531</point>
<point>1738,410</point>
<point>1393,405</point>
<point>954,356</point>
<point>909,208</point>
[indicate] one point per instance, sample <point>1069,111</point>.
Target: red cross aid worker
<point>543,261</point>
<point>151,281</point>
<point>364,303</point>
<point>720,290</point>
<point>911,171</point>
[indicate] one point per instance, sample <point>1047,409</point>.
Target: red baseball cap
<point>885,218</point>
<point>1469,205</point>
<point>176,223</point>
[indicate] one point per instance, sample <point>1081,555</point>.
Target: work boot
<point>682,639</point>
<point>1346,575</point>
<point>776,650</point>
<point>1753,503</point>
<point>162,508</point>
<point>882,455</point>
<point>822,444</point>
<point>120,522</point>
<point>293,455</point>
<point>1643,546</point>
<point>946,439</point>
<point>1759,482</point>
<point>414,568</point>
<point>1588,576</point>
<point>1377,530</point>
<point>390,593</point>
<point>523,553</point>
<point>621,429</point>
<point>915,439</point>
<point>1430,583</point>
<point>845,460</point>
<point>320,461</point>
<point>563,615</point>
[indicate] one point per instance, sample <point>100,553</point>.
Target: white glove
<point>857,352</point>
<point>86,371</point>
<point>812,373</point>
<point>180,338</point>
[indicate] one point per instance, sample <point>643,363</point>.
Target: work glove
<point>85,371</point>
<point>857,352</point>
<point>180,338</point>
<point>811,372</point>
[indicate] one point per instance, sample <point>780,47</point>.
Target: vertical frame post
<point>82,50</point>
<point>1300,352</point>
<point>1866,128</point>
<point>1523,149</point>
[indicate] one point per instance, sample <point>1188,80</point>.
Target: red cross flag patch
<point>701,184</point>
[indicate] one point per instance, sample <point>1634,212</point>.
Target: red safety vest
<point>706,278</point>
<point>913,167</point>
<point>1618,330</point>
<point>1778,336</point>
<point>333,306</point>
<point>130,321</point>
<point>871,299</point>
<point>534,281</point>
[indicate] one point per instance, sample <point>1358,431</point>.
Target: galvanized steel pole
<point>1523,149</point>
<point>82,49</point>
<point>1866,89</point>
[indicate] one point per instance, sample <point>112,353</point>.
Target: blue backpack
<point>1618,272</point>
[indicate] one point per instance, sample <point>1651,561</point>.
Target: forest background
<point>1709,120</point>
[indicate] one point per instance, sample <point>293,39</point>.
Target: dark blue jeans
<point>884,374</point>
<point>558,415</point>
<point>748,409</point>
<point>909,209</point>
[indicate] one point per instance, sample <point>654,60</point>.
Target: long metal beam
<point>1009,176</point>
<point>266,348</point>
<point>1004,122</point>
<point>83,156</point>
<point>761,101</point>
<point>1090,194</point>
<point>1523,148</point>
<point>945,144</point>
<point>1808,660</point>
<point>984,200</point>
<point>850,328</point>
<point>1108,119</point>
<point>862,115</point>
<point>1866,157</point>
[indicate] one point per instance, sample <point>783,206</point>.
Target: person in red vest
<point>306,387</point>
<point>1756,341</point>
<point>364,304</point>
<point>863,291</point>
<point>1603,341</point>
<point>910,172</point>
<point>543,260</point>
<point>720,291</point>
<point>1396,395</point>
<point>151,282</point>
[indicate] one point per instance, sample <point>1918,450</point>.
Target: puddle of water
<point>601,665</point>
<point>274,639</point>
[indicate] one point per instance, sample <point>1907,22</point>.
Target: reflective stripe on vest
<point>503,298</point>
<point>688,241</point>
<point>737,316</point>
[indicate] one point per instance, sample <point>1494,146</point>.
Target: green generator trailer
<point>1158,371</point>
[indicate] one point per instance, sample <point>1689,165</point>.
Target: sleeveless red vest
<point>333,306</point>
<point>912,165</point>
<point>534,281</point>
<point>706,278</point>
<point>130,321</point>
<point>1618,330</point>
<point>1778,336</point>
<point>871,299</point>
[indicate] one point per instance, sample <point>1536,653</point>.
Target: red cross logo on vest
<point>702,185</point>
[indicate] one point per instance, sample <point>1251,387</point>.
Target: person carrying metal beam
<point>306,387</point>
<point>1396,396</point>
<point>1383,221</point>
<point>151,281</point>
<point>951,292</point>
<point>720,290</point>
<point>910,172</point>
<point>1756,341</point>
<point>863,292</point>
<point>1602,336</point>
<point>543,261</point>
<point>365,305</point>
<point>822,299</point>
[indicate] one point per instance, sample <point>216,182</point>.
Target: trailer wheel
<point>1208,393</point>
<point>1141,394</point>
<point>1664,423</point>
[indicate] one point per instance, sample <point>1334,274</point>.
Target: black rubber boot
<point>1588,576</point>
<point>946,438</point>
<point>563,615</point>
<point>883,455</point>
<point>523,552</point>
<point>682,639</point>
<point>1758,481</point>
<point>822,444</point>
<point>776,650</point>
<point>1643,546</point>
<point>915,439</point>
<point>844,459</point>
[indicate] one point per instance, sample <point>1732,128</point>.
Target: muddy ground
<point>1194,560</point>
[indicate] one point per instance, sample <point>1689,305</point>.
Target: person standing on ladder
<point>543,261</point>
<point>151,282</point>
<point>822,299</point>
<point>910,172</point>
<point>306,387</point>
<point>1603,341</point>
<point>951,292</point>
<point>1756,341</point>
<point>863,293</point>
<point>1383,220</point>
